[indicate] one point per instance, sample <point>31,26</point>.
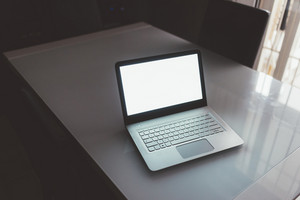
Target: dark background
<point>30,22</point>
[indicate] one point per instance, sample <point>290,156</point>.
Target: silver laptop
<point>165,109</point>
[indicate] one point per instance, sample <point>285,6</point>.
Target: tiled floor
<point>17,178</point>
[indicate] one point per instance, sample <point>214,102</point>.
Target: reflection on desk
<point>281,182</point>
<point>271,127</point>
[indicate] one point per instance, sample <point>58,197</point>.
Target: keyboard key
<point>147,140</point>
<point>141,133</point>
<point>184,139</point>
<point>151,144</point>
<point>145,137</point>
<point>151,149</point>
<point>177,132</point>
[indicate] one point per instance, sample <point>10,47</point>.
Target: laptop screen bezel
<point>162,111</point>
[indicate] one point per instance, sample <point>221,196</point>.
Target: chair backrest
<point>179,17</point>
<point>233,30</point>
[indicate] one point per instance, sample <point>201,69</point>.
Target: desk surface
<point>76,79</point>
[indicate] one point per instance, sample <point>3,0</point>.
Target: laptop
<point>165,109</point>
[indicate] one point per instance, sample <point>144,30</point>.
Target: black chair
<point>233,30</point>
<point>179,17</point>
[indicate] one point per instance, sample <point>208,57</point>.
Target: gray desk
<point>75,78</point>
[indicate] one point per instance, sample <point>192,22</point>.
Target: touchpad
<point>194,148</point>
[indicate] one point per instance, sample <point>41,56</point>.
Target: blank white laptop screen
<point>162,83</point>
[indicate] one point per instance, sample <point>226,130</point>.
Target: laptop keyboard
<point>178,132</point>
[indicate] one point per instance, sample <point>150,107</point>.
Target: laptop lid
<point>160,85</point>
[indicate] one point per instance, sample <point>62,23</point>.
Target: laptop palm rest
<point>194,148</point>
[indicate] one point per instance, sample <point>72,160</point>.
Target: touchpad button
<point>194,148</point>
